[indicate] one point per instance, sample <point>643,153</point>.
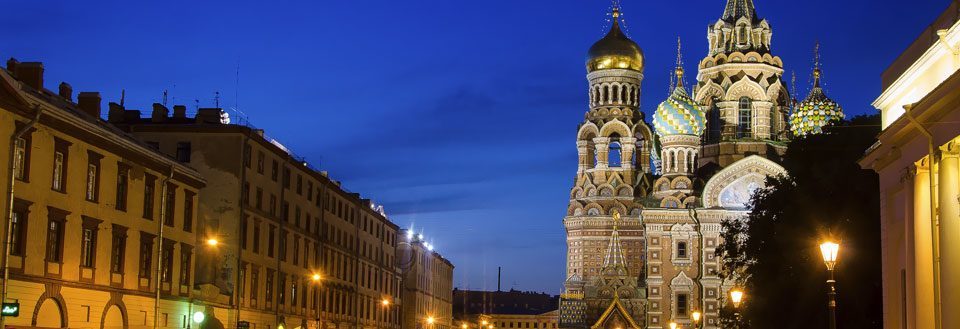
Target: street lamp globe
<point>829,251</point>
<point>736,296</point>
<point>315,277</point>
<point>673,325</point>
<point>696,316</point>
<point>430,320</point>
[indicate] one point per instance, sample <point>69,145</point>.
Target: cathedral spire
<point>615,259</point>
<point>736,9</point>
<point>679,68</point>
<point>816,65</point>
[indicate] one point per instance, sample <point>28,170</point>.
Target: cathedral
<point>647,203</point>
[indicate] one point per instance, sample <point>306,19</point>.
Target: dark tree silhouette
<point>774,253</point>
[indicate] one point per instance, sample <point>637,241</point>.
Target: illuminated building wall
<point>916,157</point>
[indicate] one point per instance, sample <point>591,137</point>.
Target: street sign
<point>243,325</point>
<point>10,309</point>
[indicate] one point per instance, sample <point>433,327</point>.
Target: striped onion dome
<point>814,112</point>
<point>679,114</point>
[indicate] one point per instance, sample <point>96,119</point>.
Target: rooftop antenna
<point>123,96</point>
<point>216,99</point>
<point>164,101</point>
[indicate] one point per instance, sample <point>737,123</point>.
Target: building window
<point>18,227</point>
<point>746,117</point>
<point>296,250</point>
<point>55,240</point>
<point>259,201</point>
<point>614,157</point>
<point>119,245</point>
<point>183,152</point>
<point>148,190</point>
<point>146,255</point>
<point>269,286</point>
<point>254,283</point>
<point>166,260</point>
<point>186,252</point>
<point>123,182</point>
<point>286,178</point>
<point>260,157</point>
<point>93,176</point>
<point>170,205</point>
<point>240,280</point>
<point>274,170</point>
<point>682,250</point>
<point>273,205</point>
<point>88,242</point>
<point>299,184</point>
<point>293,293</point>
<point>682,307</point>
<point>309,191</point>
<point>270,240</point>
<point>256,237</point>
<point>245,194</point>
<point>188,211</point>
<point>296,216</point>
<point>59,176</point>
<point>21,158</point>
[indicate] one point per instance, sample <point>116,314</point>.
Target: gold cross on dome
<point>616,219</point>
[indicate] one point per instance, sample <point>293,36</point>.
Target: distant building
<point>470,303</point>
<point>427,284</point>
<point>99,220</point>
<point>285,220</point>
<point>917,156</point>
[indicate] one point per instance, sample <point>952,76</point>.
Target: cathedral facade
<point>645,211</point>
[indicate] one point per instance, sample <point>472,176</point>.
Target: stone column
<point>602,145</point>
<point>728,119</point>
<point>949,207</point>
<point>923,247</point>
<point>628,146</point>
<point>583,156</point>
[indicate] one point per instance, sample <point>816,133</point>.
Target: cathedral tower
<point>739,84</point>
<point>613,144</point>
<point>817,110</point>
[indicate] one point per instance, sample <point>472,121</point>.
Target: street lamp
<point>736,296</point>
<point>829,251</point>
<point>213,242</point>
<point>315,278</point>
<point>696,319</point>
<point>673,325</point>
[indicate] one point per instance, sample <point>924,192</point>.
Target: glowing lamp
<point>829,251</point>
<point>736,296</point>
<point>430,320</point>
<point>198,317</point>
<point>673,325</point>
<point>213,242</point>
<point>696,316</point>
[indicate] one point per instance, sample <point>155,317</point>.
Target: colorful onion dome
<point>615,50</point>
<point>679,114</point>
<point>814,112</point>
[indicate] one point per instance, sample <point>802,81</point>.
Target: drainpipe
<point>10,189</point>
<point>163,214</point>
<point>699,279</point>
<point>934,221</point>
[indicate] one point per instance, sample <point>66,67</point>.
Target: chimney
<point>115,113</point>
<point>89,102</point>
<point>31,74</point>
<point>66,91</point>
<point>179,111</point>
<point>160,113</point>
<point>12,66</point>
<point>498,277</point>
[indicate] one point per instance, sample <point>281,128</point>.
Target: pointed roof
<point>736,9</point>
<point>615,259</point>
<point>617,309</point>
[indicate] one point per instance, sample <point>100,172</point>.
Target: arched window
<point>746,117</point>
<point>682,250</point>
<point>715,123</point>
<point>614,156</point>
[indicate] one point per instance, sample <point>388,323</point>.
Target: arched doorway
<point>113,318</point>
<point>49,315</point>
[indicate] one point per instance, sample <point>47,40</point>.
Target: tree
<point>773,254</point>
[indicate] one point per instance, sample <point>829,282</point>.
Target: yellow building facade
<point>916,157</point>
<point>97,222</point>
<point>427,286</point>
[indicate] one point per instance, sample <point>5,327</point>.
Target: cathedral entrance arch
<point>732,187</point>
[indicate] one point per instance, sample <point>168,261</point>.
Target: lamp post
<point>736,296</point>
<point>829,251</point>
<point>696,319</point>
<point>316,278</point>
<point>386,305</point>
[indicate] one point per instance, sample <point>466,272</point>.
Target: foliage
<point>773,254</point>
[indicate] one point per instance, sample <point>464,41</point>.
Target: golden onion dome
<point>615,51</point>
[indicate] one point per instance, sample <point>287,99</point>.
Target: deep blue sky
<point>459,115</point>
